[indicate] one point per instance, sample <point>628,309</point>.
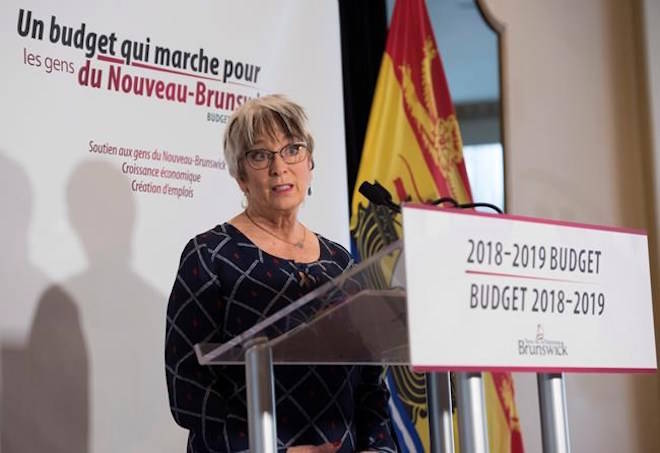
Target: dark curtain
<point>363,34</point>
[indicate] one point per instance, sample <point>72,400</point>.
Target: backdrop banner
<point>111,158</point>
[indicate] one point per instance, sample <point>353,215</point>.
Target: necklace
<point>299,244</point>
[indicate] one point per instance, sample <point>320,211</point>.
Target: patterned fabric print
<point>225,284</point>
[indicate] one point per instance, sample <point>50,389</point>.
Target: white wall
<point>577,149</point>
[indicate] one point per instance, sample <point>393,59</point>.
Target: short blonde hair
<point>259,117</point>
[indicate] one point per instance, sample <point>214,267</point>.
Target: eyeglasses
<point>260,159</point>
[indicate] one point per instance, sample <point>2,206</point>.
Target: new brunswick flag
<point>413,148</point>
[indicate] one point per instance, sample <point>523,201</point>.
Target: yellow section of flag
<point>413,148</point>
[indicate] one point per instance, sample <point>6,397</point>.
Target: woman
<point>243,271</point>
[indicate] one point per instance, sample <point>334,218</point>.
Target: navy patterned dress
<point>226,284</point>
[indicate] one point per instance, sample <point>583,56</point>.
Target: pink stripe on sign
<point>187,74</point>
<point>172,71</point>
<point>529,369</point>
<point>110,59</point>
<point>530,277</point>
<point>520,218</point>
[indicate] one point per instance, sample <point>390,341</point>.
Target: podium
<point>363,317</point>
<point>341,322</point>
<point>357,318</point>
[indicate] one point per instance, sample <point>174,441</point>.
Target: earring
<point>244,201</point>
<point>309,190</point>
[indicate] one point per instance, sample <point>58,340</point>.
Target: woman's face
<point>280,187</point>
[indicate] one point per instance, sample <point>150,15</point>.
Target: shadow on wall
<point>21,281</point>
<point>93,360</point>
<point>123,316</point>
<point>43,358</point>
<point>45,384</point>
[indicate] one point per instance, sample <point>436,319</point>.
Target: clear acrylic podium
<point>357,318</point>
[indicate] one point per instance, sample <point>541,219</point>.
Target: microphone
<point>378,195</point>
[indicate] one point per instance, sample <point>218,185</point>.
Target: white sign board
<point>499,292</point>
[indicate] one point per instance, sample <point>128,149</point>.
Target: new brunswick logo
<point>541,346</point>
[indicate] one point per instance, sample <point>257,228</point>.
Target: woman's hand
<point>325,448</point>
